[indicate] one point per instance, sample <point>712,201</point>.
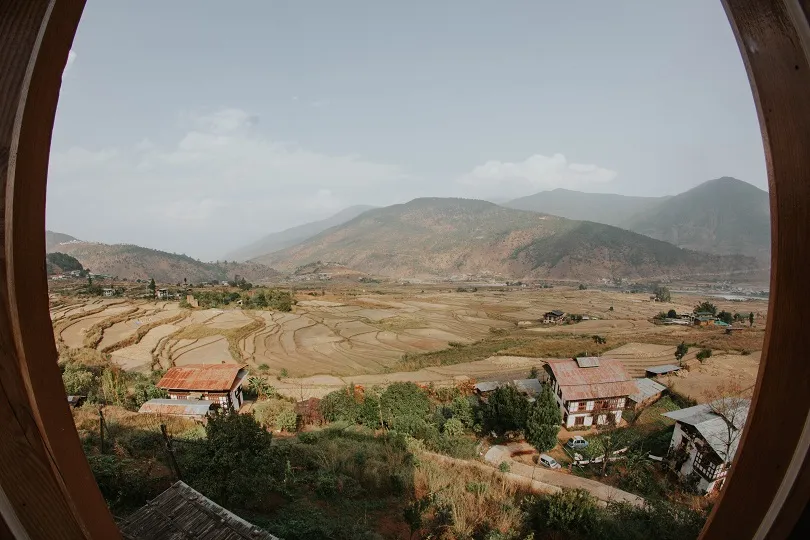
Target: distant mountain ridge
<point>433,237</point>
<point>606,208</point>
<point>135,262</point>
<point>289,237</point>
<point>722,216</point>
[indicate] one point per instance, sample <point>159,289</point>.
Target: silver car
<point>548,461</point>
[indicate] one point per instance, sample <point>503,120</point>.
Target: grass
<point>233,335</point>
<point>458,354</point>
<point>142,331</point>
<point>749,339</point>
<point>564,346</point>
<point>651,416</point>
<point>95,333</point>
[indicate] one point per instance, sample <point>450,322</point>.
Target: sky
<point>198,126</point>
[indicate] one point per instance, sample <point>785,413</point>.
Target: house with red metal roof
<point>590,390</point>
<point>220,383</point>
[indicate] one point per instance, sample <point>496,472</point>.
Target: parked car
<point>548,461</point>
<point>577,442</point>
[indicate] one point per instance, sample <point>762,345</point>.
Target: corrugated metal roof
<point>588,361</point>
<point>528,386</point>
<point>647,388</point>
<point>181,513</point>
<point>487,386</point>
<point>177,407</point>
<point>203,377</point>
<point>556,313</point>
<point>608,379</point>
<point>712,427</point>
<point>660,370</point>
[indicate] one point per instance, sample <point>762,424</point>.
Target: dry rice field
<point>353,336</point>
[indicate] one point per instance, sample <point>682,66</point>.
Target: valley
<point>387,333</point>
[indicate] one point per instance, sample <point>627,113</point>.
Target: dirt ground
<point>350,335</point>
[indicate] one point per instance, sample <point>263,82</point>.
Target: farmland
<point>399,334</point>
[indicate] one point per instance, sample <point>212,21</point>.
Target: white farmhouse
<point>590,390</point>
<point>705,440</point>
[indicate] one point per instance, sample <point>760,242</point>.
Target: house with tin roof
<point>590,390</point>
<point>219,383</point>
<point>705,440</point>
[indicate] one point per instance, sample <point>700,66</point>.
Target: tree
<point>152,287</point>
<point>453,427</point>
<point>235,464</point>
<point>662,294</point>
<point>533,374</point>
<point>403,399</point>
<point>543,422</point>
<point>680,351</point>
<point>582,287</point>
<point>672,314</point>
<point>706,307</point>
<point>726,317</point>
<point>704,354</point>
<point>340,405</point>
<point>505,410</point>
<point>78,380</point>
<point>599,340</point>
<point>751,319</point>
<point>727,402</point>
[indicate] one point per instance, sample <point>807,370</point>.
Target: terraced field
<point>363,337</point>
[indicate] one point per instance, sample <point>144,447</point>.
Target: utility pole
<point>101,428</point>
<point>170,451</point>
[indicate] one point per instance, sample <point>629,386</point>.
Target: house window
<point>579,420</point>
<point>706,465</point>
<point>573,406</point>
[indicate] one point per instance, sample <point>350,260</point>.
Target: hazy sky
<point>197,126</point>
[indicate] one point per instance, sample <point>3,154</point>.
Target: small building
<point>554,316</point>
<point>163,294</point>
<point>529,387</point>
<point>648,393</point>
<point>704,442</point>
<point>486,387</point>
<point>196,409</point>
<point>182,512</point>
<point>654,371</point>
<point>590,390</point>
<point>75,401</point>
<point>220,383</point>
<point>705,320</point>
<point>108,292</point>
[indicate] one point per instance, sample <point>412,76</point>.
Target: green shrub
<point>453,427</point>
<point>275,413</point>
<point>504,467</point>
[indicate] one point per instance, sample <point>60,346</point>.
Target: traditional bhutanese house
<point>182,513</point>
<point>648,392</point>
<point>220,383</point>
<point>108,292</point>
<point>590,390</point>
<point>554,316</point>
<point>196,409</point>
<point>704,443</point>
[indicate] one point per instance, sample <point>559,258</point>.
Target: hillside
<point>53,239</point>
<point>721,216</point>
<point>607,208</point>
<point>445,237</point>
<point>136,262</point>
<point>289,237</point>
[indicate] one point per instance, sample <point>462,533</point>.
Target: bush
<point>274,412</point>
<point>340,405</point>
<point>454,427</point>
<point>123,482</point>
<point>287,421</point>
<point>141,444</point>
<point>404,399</point>
<point>504,467</point>
<point>704,354</point>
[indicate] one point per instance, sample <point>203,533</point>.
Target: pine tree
<point>152,286</point>
<point>751,319</point>
<point>543,422</point>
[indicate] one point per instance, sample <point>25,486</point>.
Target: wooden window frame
<point>46,487</point>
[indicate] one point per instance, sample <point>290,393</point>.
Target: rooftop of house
<point>607,379</point>
<point>660,370</point>
<point>647,388</point>
<point>180,407</point>
<point>180,513</point>
<point>204,377</point>
<point>712,426</point>
<point>556,313</point>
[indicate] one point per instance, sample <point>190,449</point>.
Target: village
<point>650,394</point>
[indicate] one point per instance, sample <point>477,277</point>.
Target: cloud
<point>221,183</point>
<point>535,173</point>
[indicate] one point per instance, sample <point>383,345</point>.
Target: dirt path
<point>499,454</point>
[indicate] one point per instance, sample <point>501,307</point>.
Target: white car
<point>576,443</point>
<point>548,461</point>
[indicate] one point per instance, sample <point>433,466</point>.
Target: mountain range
<point>136,262</point>
<point>723,216</point>
<point>289,237</point>
<point>433,237</point>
